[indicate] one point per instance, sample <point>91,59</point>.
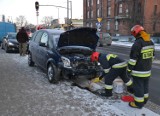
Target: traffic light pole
<point>37,13</point>
<point>37,8</point>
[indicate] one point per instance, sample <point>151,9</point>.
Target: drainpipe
<point>144,12</point>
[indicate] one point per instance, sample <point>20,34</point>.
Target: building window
<point>97,1</point>
<point>108,2</point>
<point>88,15</point>
<point>155,9</point>
<point>88,2</point>
<point>116,25</point>
<point>92,14</point>
<point>91,2</point>
<point>87,24</point>
<point>108,7</point>
<point>127,13</point>
<point>139,8</point>
<point>108,25</point>
<point>109,11</point>
<point>154,26</point>
<point>91,24</point>
<point>98,12</point>
<point>120,8</point>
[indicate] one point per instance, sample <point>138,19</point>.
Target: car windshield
<point>12,36</point>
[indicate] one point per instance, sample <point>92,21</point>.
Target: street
<point>154,80</point>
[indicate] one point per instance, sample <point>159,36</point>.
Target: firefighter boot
<point>106,93</point>
<point>133,105</point>
<point>145,100</point>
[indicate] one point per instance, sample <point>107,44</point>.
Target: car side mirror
<point>42,44</point>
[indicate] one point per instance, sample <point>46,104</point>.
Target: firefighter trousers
<point>112,75</point>
<point>141,90</point>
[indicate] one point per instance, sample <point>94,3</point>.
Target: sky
<point>14,8</point>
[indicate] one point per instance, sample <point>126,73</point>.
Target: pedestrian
<point>113,67</point>
<point>22,38</point>
<point>139,65</point>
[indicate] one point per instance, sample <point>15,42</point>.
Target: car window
<point>55,39</point>
<point>12,36</point>
<point>44,38</point>
<point>38,37</point>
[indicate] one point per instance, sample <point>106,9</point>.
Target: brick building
<point>118,16</point>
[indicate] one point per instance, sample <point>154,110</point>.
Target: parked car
<point>123,38</point>
<point>156,40</point>
<point>10,43</point>
<point>105,39</point>
<point>64,53</point>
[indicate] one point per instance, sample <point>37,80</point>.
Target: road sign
<point>99,19</point>
<point>98,24</point>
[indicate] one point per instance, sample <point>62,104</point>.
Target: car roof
<point>55,31</point>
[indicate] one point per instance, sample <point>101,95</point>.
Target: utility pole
<point>37,13</point>
<point>71,8</point>
<point>58,12</point>
<point>67,13</point>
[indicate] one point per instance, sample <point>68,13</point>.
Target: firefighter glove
<point>96,80</point>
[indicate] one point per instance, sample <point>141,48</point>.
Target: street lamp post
<point>71,8</point>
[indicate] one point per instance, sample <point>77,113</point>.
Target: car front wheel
<point>30,61</point>
<point>53,73</point>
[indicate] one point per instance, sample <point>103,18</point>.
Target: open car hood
<point>85,36</point>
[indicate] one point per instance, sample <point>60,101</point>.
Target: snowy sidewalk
<point>106,107</point>
<point>133,111</point>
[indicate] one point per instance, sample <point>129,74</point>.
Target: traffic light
<point>37,5</point>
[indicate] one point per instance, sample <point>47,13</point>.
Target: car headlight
<point>11,44</point>
<point>66,62</point>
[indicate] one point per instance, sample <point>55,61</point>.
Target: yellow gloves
<point>96,80</point>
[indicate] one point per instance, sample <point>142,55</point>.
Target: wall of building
<point>139,12</point>
<point>150,18</point>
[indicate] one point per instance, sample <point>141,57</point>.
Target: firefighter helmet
<point>95,56</point>
<point>136,29</point>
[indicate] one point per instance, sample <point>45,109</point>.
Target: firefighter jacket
<point>111,61</point>
<point>141,56</point>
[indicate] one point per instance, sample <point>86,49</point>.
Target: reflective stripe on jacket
<point>120,65</point>
<point>111,61</point>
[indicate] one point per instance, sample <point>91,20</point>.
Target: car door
<point>43,50</point>
<point>34,46</point>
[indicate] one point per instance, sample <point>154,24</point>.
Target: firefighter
<point>113,67</point>
<point>139,65</point>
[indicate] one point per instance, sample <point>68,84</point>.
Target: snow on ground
<point>73,101</point>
